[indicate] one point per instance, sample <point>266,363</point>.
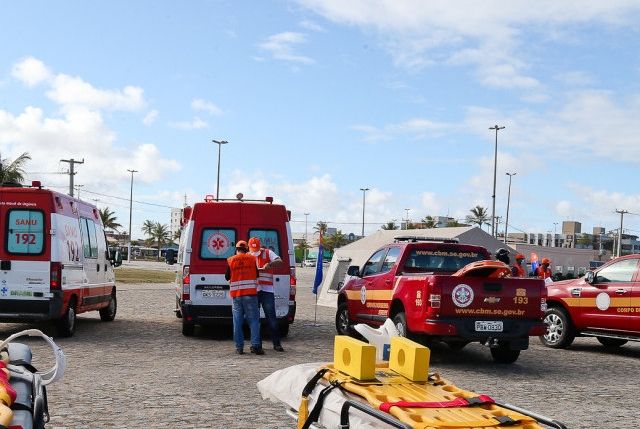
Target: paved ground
<point>140,372</point>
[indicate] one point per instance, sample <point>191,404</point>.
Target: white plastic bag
<point>380,337</point>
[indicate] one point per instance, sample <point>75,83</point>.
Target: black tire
<point>108,313</point>
<point>177,310</point>
<point>66,325</point>
<point>283,328</point>
<point>188,328</point>
<point>612,343</point>
<point>457,345</point>
<point>400,320</point>
<point>504,354</point>
<point>342,319</point>
<point>560,331</point>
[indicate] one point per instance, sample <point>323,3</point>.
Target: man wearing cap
<point>517,270</point>
<point>266,259</point>
<point>543,271</point>
<point>242,275</point>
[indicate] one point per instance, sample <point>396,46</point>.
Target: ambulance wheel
<point>108,313</point>
<point>611,343</point>
<point>342,319</point>
<point>504,354</point>
<point>283,328</point>
<point>66,325</point>
<point>188,328</point>
<point>177,310</point>
<point>560,333</point>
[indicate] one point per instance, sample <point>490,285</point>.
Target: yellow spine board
<point>391,387</point>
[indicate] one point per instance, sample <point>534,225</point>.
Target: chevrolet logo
<point>492,300</point>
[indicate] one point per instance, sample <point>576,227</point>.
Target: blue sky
<point>319,98</point>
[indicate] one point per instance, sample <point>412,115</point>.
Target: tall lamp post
<point>364,191</point>
<point>406,225</point>
<point>495,165</point>
<point>219,143</point>
<point>130,213</point>
<point>306,240</point>
<point>506,223</point>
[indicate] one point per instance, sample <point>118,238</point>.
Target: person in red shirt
<point>517,270</point>
<point>543,271</point>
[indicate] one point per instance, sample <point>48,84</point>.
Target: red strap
<point>458,402</point>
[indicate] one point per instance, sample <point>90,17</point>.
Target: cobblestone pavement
<point>140,372</point>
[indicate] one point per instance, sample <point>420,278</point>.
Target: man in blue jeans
<point>242,275</point>
<point>266,260</point>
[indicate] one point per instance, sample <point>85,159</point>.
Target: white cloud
<point>415,129</point>
<point>68,90</point>
<point>488,34</point>
<point>201,105</point>
<point>575,78</point>
<point>150,117</point>
<point>195,124</point>
<point>311,26</point>
<point>31,71</point>
<point>431,204</point>
<point>564,209</point>
<point>281,47</point>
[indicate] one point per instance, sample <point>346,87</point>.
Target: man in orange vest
<point>267,259</point>
<point>242,275</point>
<point>517,270</point>
<point>543,271</point>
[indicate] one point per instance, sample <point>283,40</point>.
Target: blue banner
<point>318,280</point>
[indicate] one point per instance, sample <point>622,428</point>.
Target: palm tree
<point>13,171</point>
<point>303,246</point>
<point>336,240</point>
<point>147,227</point>
<point>157,232</point>
<point>109,219</point>
<point>453,223</point>
<point>321,228</point>
<point>478,216</point>
<point>429,222</point>
<point>389,226</point>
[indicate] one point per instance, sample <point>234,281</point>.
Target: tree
<point>109,219</point>
<point>454,223</point>
<point>429,222</point>
<point>321,228</point>
<point>303,247</point>
<point>478,216</point>
<point>147,227</point>
<point>13,171</point>
<point>389,226</point>
<point>157,232</point>
<point>334,241</point>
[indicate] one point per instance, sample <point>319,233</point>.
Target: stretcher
<point>23,395</point>
<point>398,394</point>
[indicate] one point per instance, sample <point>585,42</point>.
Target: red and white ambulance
<point>54,261</point>
<point>209,235</point>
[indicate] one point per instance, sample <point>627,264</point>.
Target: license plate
<point>488,326</point>
<point>213,293</point>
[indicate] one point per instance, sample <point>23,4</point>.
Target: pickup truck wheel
<point>560,332</point>
<point>611,343</point>
<point>504,354</point>
<point>342,319</point>
<point>400,320</point>
<point>188,328</point>
<point>66,325</point>
<point>108,313</point>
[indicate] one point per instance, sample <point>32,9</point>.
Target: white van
<point>54,261</point>
<point>211,230</point>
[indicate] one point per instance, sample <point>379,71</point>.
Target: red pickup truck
<point>605,304</point>
<point>444,291</point>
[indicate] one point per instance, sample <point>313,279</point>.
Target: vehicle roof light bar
<point>414,239</point>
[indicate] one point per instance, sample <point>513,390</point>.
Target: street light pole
<point>219,143</point>
<point>306,240</point>
<point>506,223</point>
<point>364,191</point>
<point>495,166</point>
<point>130,212</point>
<point>406,225</point>
<point>622,212</point>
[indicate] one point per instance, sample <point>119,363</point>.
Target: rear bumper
<point>31,310</point>
<point>465,329</point>
<point>221,314</point>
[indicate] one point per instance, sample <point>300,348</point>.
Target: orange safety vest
<point>518,271</point>
<point>265,277</point>
<point>542,273</point>
<point>244,274</point>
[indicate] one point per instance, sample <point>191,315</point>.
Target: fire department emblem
<point>603,301</point>
<point>363,295</point>
<point>218,244</point>
<point>462,295</point>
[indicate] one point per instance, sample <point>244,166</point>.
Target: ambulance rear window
<point>268,239</point>
<point>25,232</point>
<point>216,243</point>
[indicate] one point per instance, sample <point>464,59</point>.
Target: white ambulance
<point>210,232</point>
<point>54,261</point>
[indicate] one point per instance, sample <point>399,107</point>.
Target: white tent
<point>359,251</point>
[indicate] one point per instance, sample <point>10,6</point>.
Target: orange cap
<point>254,244</point>
<point>241,245</point>
<point>520,256</point>
<point>546,261</point>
